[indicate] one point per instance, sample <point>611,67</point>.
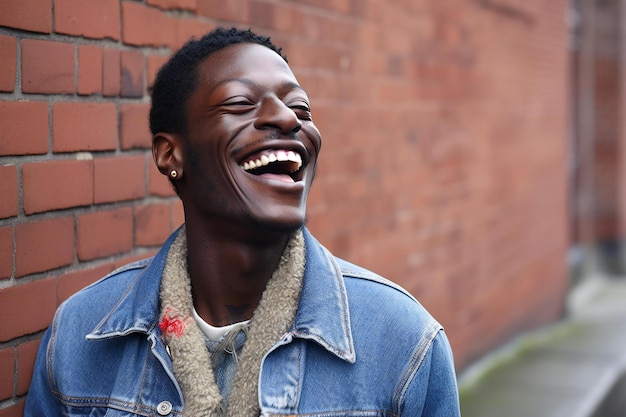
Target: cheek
<point>201,163</point>
<point>315,140</point>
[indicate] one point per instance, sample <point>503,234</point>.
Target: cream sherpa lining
<point>190,357</point>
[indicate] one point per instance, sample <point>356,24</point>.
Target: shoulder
<point>139,278</point>
<point>350,270</point>
<point>390,326</point>
<point>121,274</point>
<point>109,287</point>
<point>78,317</point>
<point>370,297</point>
<point>81,312</point>
<point>374,299</point>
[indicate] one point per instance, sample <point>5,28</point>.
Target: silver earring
<point>173,174</point>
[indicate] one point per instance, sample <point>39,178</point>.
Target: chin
<point>285,222</point>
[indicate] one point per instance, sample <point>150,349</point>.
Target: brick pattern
<point>443,167</point>
<point>84,126</point>
<point>8,51</point>
<point>7,370</point>
<point>114,229</point>
<point>89,70</point>
<point>118,179</point>
<point>43,245</point>
<point>95,19</point>
<point>53,185</point>
<point>9,191</point>
<point>607,168</point>
<point>31,15</point>
<point>47,67</point>
<point>6,252</point>
<point>134,130</point>
<point>23,127</point>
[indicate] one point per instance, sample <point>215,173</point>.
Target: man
<point>242,312</point>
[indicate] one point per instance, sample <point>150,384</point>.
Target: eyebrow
<point>250,83</point>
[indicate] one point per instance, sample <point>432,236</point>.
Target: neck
<point>229,269</point>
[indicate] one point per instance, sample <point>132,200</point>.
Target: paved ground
<point>566,370</point>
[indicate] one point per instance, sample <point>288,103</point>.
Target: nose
<point>274,114</point>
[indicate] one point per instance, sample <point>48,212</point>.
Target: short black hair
<point>178,77</point>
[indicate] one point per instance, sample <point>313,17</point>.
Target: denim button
<point>164,408</point>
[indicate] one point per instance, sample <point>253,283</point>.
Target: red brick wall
<point>600,214</point>
<point>607,142</point>
<point>445,130</point>
<point>607,155</point>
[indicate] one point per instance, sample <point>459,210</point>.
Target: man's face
<point>252,147</point>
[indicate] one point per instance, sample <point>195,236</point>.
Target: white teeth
<point>273,156</point>
<point>282,156</point>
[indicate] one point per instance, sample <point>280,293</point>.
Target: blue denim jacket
<point>359,346</point>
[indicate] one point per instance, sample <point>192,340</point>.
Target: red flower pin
<point>171,324</point>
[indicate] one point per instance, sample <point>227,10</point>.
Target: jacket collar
<point>137,310</point>
<point>323,315</point>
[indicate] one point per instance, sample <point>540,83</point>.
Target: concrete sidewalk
<point>575,368</point>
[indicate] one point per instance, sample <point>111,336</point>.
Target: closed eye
<point>238,106</point>
<point>303,108</point>
<point>238,103</point>
<point>302,111</point>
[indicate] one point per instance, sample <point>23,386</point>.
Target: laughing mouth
<point>276,162</point>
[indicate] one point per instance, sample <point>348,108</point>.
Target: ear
<point>167,151</point>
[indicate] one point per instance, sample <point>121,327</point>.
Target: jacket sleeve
<point>40,401</point>
<point>440,393</point>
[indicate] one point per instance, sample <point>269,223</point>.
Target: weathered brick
<point>23,127</point>
<point>6,251</point>
<point>286,18</point>
<point>84,126</point>
<point>146,26</point>
<point>191,28</point>
<point>47,67</point>
<point>152,224</point>
<point>89,69</point>
<point>32,15</point>
<point>120,262</point>
<point>89,18</point>
<point>26,355</point>
<point>105,233</point>
<point>8,64</point>
<point>134,130</point>
<point>72,282</point>
<point>174,4</point>
<point>342,6</point>
<point>43,245</point>
<point>7,370</point>
<point>153,63</point>
<point>119,179</point>
<point>132,68</point>
<point>8,191</point>
<point>14,410</point>
<point>263,14</point>
<point>111,73</point>
<point>27,308</point>
<point>53,185</point>
<point>235,10</point>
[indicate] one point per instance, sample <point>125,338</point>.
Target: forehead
<point>245,60</point>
